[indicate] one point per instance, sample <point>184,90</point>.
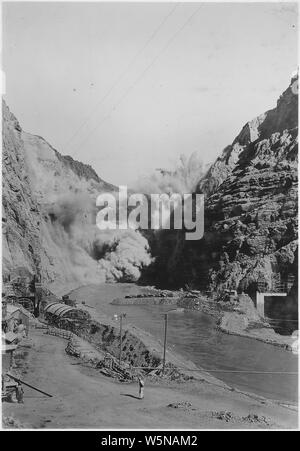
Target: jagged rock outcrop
<point>21,216</point>
<point>282,117</point>
<point>250,212</point>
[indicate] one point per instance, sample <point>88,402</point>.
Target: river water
<point>194,336</point>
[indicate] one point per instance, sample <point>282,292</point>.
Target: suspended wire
<point>127,92</point>
<point>280,373</point>
<point>120,77</point>
<point>282,319</point>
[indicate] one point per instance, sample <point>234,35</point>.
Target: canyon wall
<point>250,212</point>
<point>49,217</point>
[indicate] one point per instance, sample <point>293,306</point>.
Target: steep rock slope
<point>252,214</point>
<point>49,217</point>
<point>20,213</point>
<point>282,117</point>
<point>42,193</point>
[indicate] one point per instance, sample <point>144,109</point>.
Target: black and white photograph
<point>149,218</point>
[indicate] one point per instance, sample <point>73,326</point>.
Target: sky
<point>129,87</point>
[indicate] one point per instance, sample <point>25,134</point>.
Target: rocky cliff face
<point>42,192</point>
<point>250,211</point>
<point>21,216</point>
<point>282,117</point>
<point>49,217</point>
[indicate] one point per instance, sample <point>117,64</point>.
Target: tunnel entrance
<point>282,314</point>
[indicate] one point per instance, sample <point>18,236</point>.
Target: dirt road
<point>82,398</point>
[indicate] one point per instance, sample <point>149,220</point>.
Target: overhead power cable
<point>139,78</point>
<point>205,370</point>
<point>283,319</point>
<point>123,73</point>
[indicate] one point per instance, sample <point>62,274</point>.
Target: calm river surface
<point>193,335</point>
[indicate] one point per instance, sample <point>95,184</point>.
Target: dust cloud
<point>93,255</point>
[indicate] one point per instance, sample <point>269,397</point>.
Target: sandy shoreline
<point>231,324</point>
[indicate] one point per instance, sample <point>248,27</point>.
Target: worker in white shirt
<point>141,387</point>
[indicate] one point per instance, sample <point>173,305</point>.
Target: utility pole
<point>121,316</point>
<point>165,341</point>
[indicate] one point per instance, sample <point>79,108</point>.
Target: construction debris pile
<point>230,417</point>
<point>152,294</point>
<point>170,372</point>
<point>99,359</point>
<point>12,423</point>
<point>77,347</point>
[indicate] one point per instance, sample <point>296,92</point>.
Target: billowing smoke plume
<point>182,179</point>
<point>95,255</point>
<point>171,252</point>
<point>127,251</point>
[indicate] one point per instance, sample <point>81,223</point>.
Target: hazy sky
<point>170,85</point>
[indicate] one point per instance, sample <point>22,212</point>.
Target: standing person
<point>21,329</point>
<point>20,393</point>
<point>141,387</point>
